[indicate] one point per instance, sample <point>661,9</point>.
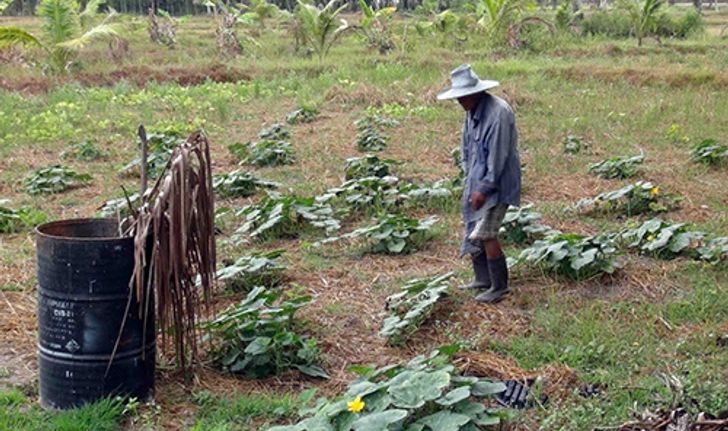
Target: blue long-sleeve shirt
<point>490,156</point>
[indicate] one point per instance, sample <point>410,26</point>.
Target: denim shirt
<point>490,156</point>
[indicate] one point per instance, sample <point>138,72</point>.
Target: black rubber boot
<point>482,274</point>
<point>499,278</point>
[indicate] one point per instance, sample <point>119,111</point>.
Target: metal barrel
<point>84,269</point>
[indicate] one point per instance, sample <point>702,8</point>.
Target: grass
<point>16,414</point>
<point>621,333</point>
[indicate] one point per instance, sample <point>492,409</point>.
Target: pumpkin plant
<point>54,179</point>
<point>368,166</point>
<point>259,337</point>
<point>369,194</point>
<point>160,144</point>
<point>392,234</point>
<point>12,220</point>
<point>85,150</point>
<point>573,256</point>
<point>238,184</point>
<point>411,306</point>
<point>424,394</point>
<point>661,239</point>
<point>641,197</point>
<point>255,269</point>
<point>520,226</point>
<point>121,207</point>
<point>277,216</point>
<point>573,144</point>
<point>617,167</point>
<point>710,152</point>
<point>305,114</point>
<point>265,152</point>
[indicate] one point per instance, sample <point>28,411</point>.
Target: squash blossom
<point>651,238</point>
<point>356,406</point>
<point>654,191</point>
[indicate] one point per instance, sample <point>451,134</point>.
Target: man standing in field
<point>492,178</point>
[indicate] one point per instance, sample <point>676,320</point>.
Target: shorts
<point>488,227</point>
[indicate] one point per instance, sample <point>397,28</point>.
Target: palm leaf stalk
<point>175,245</point>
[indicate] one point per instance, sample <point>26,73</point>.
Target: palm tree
<point>66,29</point>
<point>317,27</point>
<point>642,15</point>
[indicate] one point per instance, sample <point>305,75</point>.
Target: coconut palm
<point>66,29</point>
<point>317,27</point>
<point>496,16</point>
<point>643,16</point>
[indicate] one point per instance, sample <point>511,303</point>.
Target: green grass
<point>19,414</point>
<point>242,412</point>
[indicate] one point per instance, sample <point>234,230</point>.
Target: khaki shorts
<point>487,227</point>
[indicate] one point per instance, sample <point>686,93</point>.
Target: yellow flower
<point>651,238</point>
<point>654,191</point>
<point>356,406</point>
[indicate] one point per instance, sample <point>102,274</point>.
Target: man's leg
<point>498,268</point>
<point>478,259</point>
<point>496,260</point>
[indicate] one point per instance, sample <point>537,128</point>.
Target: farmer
<point>492,178</point>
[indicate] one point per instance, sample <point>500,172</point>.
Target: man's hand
<point>477,200</point>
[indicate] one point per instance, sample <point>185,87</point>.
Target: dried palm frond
<point>175,247</point>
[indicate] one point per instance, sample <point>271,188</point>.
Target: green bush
<point>258,337</point>
<point>613,24</point>
<point>679,25</point>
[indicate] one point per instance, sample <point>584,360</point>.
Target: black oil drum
<point>84,268</point>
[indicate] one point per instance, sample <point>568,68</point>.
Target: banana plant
<point>496,16</point>
<point>643,16</point>
<point>375,26</point>
<point>66,30</point>
<point>318,27</point>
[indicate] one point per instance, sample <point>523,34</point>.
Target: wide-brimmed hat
<point>465,82</point>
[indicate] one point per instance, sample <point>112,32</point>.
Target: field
<point>623,335</point>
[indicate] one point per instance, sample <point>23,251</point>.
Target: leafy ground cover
<point>627,333</point>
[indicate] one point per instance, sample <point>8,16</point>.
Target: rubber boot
<point>499,276</point>
<point>482,274</point>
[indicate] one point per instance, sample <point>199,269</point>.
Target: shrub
<point>617,167</point>
<point>264,153</point>
<point>614,24</point>
<point>392,234</point>
<point>258,338</point>
<point>54,179</point>
<point>574,256</point>
<point>679,25</point>
<point>520,226</point>
<point>368,166</point>
<point>424,394</point>
<point>238,184</point>
<point>277,216</point>
<point>85,151</point>
<point>661,239</point>
<point>255,269</point>
<point>411,306</point>
<point>638,198</point>
<point>23,218</point>
<point>710,152</point>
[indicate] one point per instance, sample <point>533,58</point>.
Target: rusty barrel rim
<point>52,230</point>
